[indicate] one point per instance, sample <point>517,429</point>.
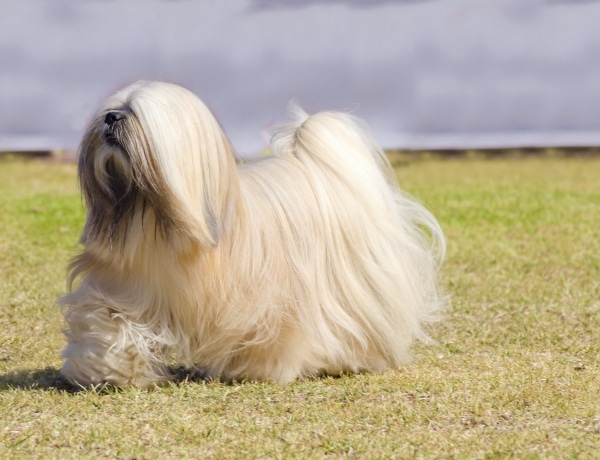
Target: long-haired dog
<point>307,262</point>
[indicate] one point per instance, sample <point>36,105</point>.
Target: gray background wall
<point>423,73</point>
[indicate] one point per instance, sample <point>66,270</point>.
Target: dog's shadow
<point>50,379</point>
<point>47,379</point>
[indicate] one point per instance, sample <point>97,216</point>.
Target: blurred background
<point>425,74</point>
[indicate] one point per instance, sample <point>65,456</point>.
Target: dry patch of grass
<point>515,372</point>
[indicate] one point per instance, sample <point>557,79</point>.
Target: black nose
<point>112,117</point>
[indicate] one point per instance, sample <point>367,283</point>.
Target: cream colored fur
<point>308,262</point>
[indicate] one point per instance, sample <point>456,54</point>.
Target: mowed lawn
<point>515,371</point>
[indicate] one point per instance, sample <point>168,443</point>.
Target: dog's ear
<point>189,159</point>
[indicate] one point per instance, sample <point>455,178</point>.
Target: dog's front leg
<point>104,348</point>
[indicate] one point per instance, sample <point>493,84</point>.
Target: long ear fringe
<point>194,157</point>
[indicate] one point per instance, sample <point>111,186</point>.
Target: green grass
<point>515,371</point>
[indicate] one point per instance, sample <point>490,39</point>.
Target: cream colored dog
<point>307,262</point>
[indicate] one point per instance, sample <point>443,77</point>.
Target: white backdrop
<point>423,73</point>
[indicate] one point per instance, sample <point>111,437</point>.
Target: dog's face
<point>153,151</point>
<point>114,172</point>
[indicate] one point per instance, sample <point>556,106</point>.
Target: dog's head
<point>155,151</point>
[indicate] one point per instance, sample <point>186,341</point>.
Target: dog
<point>307,262</point>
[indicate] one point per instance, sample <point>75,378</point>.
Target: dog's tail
<point>378,222</point>
<point>343,144</point>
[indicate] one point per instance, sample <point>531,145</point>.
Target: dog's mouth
<point>111,138</point>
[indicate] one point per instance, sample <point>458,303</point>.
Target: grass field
<point>515,372</point>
